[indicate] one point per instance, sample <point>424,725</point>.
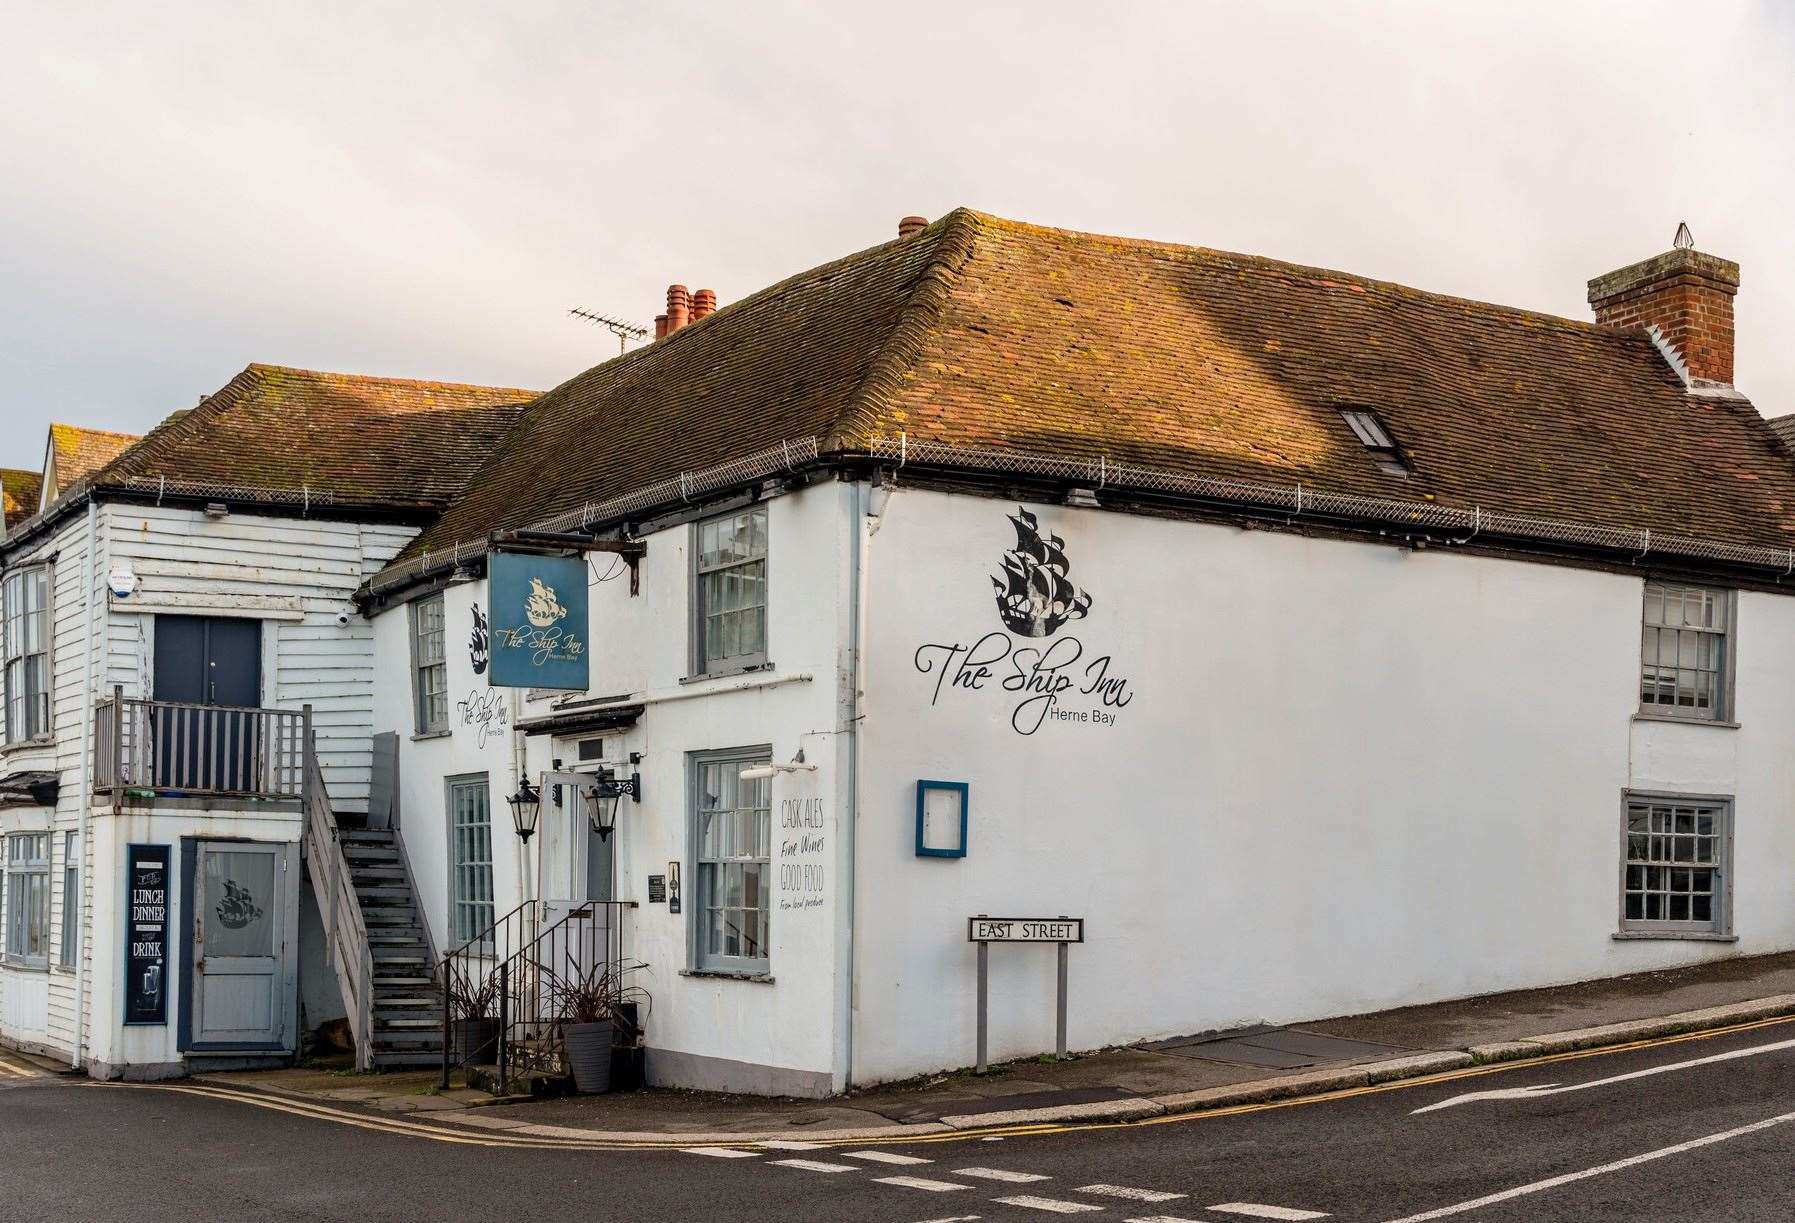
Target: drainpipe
<point>851,817</point>
<point>81,845</point>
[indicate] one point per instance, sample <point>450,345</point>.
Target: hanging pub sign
<point>146,935</point>
<point>537,613</point>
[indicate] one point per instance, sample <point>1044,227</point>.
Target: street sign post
<point>985,930</point>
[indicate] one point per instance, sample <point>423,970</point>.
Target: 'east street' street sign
<point>1025,930</point>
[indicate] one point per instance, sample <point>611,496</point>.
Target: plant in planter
<point>474,1002</point>
<point>587,1001</point>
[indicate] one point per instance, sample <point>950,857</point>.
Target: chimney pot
<point>912,225</point>
<point>703,302</point>
<point>660,326</point>
<point>679,307</point>
<point>1687,297</point>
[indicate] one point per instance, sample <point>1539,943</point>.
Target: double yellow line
<point>459,1136</point>
<point>14,1071</point>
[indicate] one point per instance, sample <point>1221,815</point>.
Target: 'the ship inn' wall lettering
<point>1060,682</point>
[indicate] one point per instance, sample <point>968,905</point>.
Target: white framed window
<point>1685,656</point>
<point>429,666</point>
<point>470,857</point>
<point>70,951</point>
<point>729,592</point>
<point>25,604</point>
<point>1376,439</point>
<point>1676,864</point>
<point>28,899</point>
<point>732,839</point>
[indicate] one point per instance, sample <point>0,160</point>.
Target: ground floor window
<point>732,835</point>
<point>1674,879</point>
<point>28,899</point>
<point>71,900</point>
<point>470,856</point>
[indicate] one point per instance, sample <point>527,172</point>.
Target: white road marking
<point>885,1157</point>
<point>1165,1219</point>
<point>1123,1191</point>
<point>721,1152</point>
<point>1052,1205</point>
<point>919,1182</point>
<point>1600,1170</point>
<point>1258,1210</point>
<point>1553,1089</point>
<point>789,1144</point>
<point>813,1165</point>
<point>954,1219</point>
<point>1000,1174</point>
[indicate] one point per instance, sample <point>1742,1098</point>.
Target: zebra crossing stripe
<point>885,1157</point>
<point>1255,1210</point>
<point>1052,1205</point>
<point>721,1152</point>
<point>920,1182</point>
<point>1001,1174</point>
<point>814,1165</point>
<point>1123,1191</point>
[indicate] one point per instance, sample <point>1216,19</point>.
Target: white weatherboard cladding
<point>1346,777</point>
<point>703,1030</point>
<point>295,575</point>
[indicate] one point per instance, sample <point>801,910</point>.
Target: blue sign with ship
<point>538,621</point>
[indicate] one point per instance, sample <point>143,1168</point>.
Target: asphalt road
<point>1690,1129</point>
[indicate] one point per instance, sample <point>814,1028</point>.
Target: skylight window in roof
<point>1371,432</point>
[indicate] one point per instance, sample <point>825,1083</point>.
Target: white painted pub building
<point>1325,645</point>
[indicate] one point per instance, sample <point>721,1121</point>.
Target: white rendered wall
<point>1346,777</point>
<point>777,1035</point>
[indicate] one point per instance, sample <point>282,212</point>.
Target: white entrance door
<point>244,913</point>
<point>576,871</point>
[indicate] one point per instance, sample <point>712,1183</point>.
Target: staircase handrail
<point>345,928</point>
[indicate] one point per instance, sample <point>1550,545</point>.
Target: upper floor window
<point>429,665</point>
<point>1685,665</point>
<point>25,597</point>
<point>729,588</point>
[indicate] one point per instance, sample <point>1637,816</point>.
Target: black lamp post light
<point>526,805</point>
<point>604,794</point>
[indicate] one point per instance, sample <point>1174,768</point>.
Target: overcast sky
<point>424,190</point>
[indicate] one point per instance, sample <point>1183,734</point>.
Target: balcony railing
<point>180,749</point>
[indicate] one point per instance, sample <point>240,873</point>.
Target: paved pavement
<point>1689,1127</point>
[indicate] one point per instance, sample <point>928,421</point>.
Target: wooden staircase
<point>405,1026</point>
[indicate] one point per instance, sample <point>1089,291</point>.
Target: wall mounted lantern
<point>526,805</point>
<point>604,795</point>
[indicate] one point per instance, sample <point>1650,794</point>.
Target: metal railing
<point>180,748</point>
<point>506,991</point>
<point>339,909</point>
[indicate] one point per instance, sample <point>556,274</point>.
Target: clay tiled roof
<point>358,440</point>
<point>76,452</point>
<point>1784,427</point>
<point>990,333</point>
<point>19,493</point>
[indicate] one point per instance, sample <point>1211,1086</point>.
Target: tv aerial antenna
<point>623,330</point>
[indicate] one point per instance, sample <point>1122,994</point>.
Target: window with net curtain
<point>28,899</point>
<point>730,592</point>
<point>25,605</point>
<point>732,833</point>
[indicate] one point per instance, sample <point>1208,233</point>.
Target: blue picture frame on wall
<point>960,791</point>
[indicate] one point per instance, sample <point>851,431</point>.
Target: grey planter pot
<point>478,1040</point>
<point>589,1055</point>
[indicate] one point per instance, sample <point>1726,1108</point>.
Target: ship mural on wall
<point>1035,596</point>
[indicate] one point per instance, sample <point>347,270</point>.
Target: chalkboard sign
<point>146,936</point>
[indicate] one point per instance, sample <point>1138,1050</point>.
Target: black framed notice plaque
<point>146,935</point>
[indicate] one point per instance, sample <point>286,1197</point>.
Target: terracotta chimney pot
<point>912,225</point>
<point>679,307</point>
<point>703,302</point>
<point>660,326</point>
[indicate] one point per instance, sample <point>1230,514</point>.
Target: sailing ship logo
<point>479,644</point>
<point>1034,595</point>
<point>238,908</point>
<point>542,608</point>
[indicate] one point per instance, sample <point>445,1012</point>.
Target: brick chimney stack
<point>1686,297</point>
